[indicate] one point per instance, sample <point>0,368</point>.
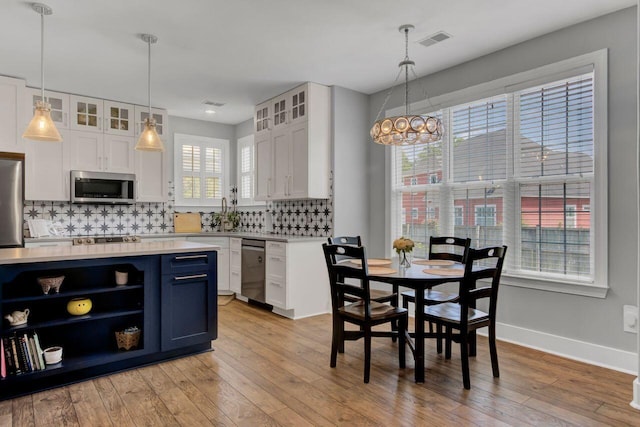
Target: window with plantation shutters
<point>516,168</point>
<point>246,171</point>
<point>200,170</point>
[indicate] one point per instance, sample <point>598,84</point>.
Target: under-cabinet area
<point>103,314</point>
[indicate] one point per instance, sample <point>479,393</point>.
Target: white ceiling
<point>241,52</point>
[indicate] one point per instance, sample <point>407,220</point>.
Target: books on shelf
<point>20,353</point>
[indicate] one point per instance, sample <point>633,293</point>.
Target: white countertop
<point>239,234</point>
<point>111,250</point>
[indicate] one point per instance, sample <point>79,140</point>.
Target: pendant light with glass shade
<point>149,139</point>
<point>408,129</point>
<point>41,127</point>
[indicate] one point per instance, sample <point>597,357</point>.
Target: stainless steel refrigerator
<point>11,200</point>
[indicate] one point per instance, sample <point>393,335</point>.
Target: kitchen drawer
<point>235,258</point>
<point>187,262</point>
<point>276,293</point>
<point>235,243</point>
<point>276,268</point>
<point>277,248</point>
<point>235,281</point>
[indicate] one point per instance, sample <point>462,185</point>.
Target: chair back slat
<point>449,248</point>
<point>344,240</point>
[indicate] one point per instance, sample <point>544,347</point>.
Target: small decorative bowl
<point>48,283</point>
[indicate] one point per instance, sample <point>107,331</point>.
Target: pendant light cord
<point>42,53</point>
<point>149,78</point>
<point>406,71</point>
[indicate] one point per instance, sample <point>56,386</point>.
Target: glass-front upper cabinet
<point>298,104</point>
<point>142,113</point>
<point>86,113</point>
<point>59,106</point>
<point>119,118</point>
<point>279,107</point>
<point>261,117</point>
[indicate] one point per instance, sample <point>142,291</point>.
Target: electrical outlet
<point>630,318</point>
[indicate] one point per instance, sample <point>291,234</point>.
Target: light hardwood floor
<point>267,370</point>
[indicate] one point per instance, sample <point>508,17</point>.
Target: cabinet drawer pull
<point>178,258</point>
<point>194,276</point>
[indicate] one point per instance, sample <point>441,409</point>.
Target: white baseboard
<point>594,354</point>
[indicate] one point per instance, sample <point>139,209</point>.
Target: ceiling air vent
<point>213,104</point>
<point>434,38</point>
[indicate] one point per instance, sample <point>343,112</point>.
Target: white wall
<point>591,320</point>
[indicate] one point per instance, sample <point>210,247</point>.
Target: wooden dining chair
<point>364,312</point>
<point>463,315</point>
<point>379,295</point>
<point>440,248</point>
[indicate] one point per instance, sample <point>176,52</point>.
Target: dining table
<point>416,278</point>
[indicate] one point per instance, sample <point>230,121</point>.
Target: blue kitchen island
<point>169,301</point>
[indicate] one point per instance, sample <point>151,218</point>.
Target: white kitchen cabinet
<point>223,259</point>
<point>47,169</point>
<point>264,166</point>
<point>297,283</point>
<point>11,108</point>
<point>86,113</point>
<point>119,118</point>
<point>293,157</point>
<point>151,175</point>
<point>59,106</point>
<point>141,114</point>
<point>235,265</point>
<point>276,275</point>
<point>91,151</point>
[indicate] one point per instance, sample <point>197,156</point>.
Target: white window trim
<point>179,140</point>
<point>475,214</point>
<point>596,61</point>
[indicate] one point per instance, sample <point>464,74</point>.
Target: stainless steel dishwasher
<point>253,273</point>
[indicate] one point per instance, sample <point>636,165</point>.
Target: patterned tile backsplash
<point>312,217</point>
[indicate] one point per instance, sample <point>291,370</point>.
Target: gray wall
<point>586,319</point>
<point>350,145</point>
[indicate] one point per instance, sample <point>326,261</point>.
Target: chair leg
<point>341,336</point>
<point>367,353</point>
<point>464,359</point>
<point>472,344</point>
<point>402,328</point>
<point>494,351</point>
<point>336,341</point>
<point>438,337</point>
<point>447,343</point>
<point>394,323</point>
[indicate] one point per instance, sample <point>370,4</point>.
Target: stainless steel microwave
<point>103,188</point>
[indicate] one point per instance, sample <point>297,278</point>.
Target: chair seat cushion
<point>431,296</point>
<point>450,313</point>
<point>378,310</point>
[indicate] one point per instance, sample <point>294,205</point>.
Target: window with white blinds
<point>517,168</point>
<point>200,170</point>
<point>246,171</point>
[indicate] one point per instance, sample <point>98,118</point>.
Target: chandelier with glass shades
<point>408,129</point>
